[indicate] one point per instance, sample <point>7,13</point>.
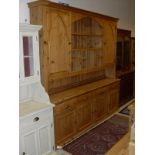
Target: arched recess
<point>87,25</point>
<point>87,44</point>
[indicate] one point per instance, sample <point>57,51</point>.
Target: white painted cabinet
<point>28,143</point>
<point>36,130</point>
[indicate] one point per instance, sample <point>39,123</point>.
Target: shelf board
<point>70,93</point>
<point>60,75</point>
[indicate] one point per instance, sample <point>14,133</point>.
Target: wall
<point>122,9</point>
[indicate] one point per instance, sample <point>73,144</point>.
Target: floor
<point>124,146</point>
<point>120,148</point>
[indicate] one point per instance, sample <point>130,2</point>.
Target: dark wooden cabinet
<point>125,63</point>
<point>127,84</point>
<point>123,55</point>
<point>133,51</point>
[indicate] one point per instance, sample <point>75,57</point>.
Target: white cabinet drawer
<point>35,118</point>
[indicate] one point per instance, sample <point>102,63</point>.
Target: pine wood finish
<point>113,98</point>
<point>64,115</point>
<point>77,46</point>
<point>100,106</point>
<point>78,56</point>
<point>83,112</point>
<point>76,113</point>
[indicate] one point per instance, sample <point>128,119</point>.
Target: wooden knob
<point>52,62</point>
<point>45,42</point>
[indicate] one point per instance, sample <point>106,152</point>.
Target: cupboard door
<point>28,142</point>
<point>58,32</point>
<point>100,104</point>
<point>64,126</point>
<point>83,113</point>
<point>45,138</point>
<point>113,98</point>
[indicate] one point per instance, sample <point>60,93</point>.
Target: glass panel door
<point>28,56</point>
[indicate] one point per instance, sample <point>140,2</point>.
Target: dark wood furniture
<point>125,65</point>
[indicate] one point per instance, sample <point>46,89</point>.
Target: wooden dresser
<point>78,60</point>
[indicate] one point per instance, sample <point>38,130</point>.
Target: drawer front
<point>65,106</point>
<point>36,118</point>
<point>100,91</point>
<point>83,98</point>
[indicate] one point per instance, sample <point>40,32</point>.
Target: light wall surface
<point>122,9</point>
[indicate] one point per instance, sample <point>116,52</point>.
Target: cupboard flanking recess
<point>78,61</point>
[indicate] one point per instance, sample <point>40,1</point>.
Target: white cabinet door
<point>37,133</point>
<point>37,141</point>
<point>45,139</point>
<point>28,143</point>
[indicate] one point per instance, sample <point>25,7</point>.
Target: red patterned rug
<point>100,139</point>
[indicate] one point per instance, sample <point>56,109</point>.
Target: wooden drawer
<point>35,118</point>
<point>65,106</point>
<point>100,91</point>
<point>83,98</point>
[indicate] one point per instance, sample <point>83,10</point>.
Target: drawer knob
<point>36,119</point>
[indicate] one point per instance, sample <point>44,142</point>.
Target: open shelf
<point>87,45</point>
